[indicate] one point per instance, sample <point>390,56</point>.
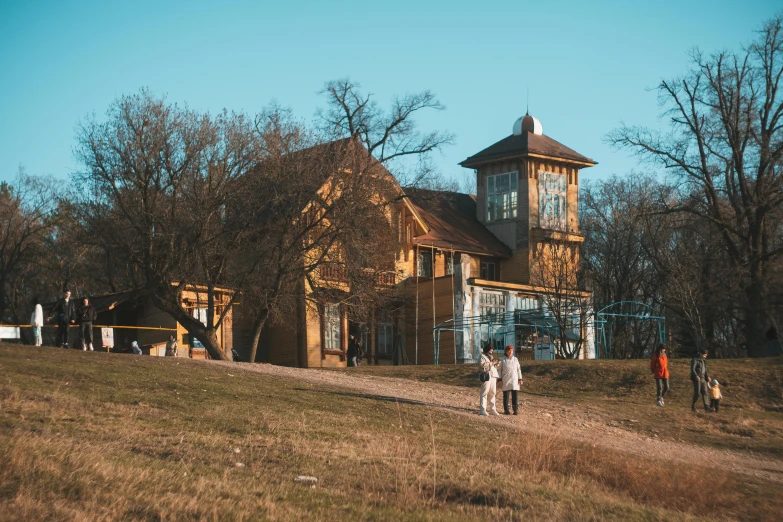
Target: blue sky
<point>588,65</point>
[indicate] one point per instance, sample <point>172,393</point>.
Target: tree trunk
<point>207,335</point>
<point>755,313</point>
<point>258,326</point>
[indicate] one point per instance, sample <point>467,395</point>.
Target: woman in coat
<point>36,321</point>
<point>489,387</point>
<point>511,377</point>
<point>659,366</point>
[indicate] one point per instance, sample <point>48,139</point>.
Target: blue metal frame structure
<point>504,325</point>
<point>501,325</point>
<point>623,312</point>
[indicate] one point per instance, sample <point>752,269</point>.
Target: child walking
<point>715,394</point>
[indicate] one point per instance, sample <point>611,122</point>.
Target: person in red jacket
<point>659,366</point>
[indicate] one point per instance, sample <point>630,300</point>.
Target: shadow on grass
<point>389,398</point>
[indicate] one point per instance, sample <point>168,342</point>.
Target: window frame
<point>552,200</point>
<point>508,204</point>
<point>484,271</point>
<point>329,323</point>
<point>385,325</point>
<point>419,264</point>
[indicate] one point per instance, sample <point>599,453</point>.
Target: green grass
<point>622,393</point>
<point>95,436</point>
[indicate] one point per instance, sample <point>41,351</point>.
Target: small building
<point>132,318</point>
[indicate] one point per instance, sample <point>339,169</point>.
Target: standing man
<point>86,315</point>
<point>353,353</point>
<point>700,380</point>
<point>64,311</point>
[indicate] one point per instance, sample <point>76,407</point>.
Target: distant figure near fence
<point>171,347</point>
<point>64,313</point>
<point>135,348</point>
<point>37,322</point>
<point>86,315</point>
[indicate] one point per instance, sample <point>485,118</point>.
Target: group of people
<point>508,371</point>
<point>703,387</point>
<point>67,312</point>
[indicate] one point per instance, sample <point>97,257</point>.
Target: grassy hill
<point>623,393</point>
<point>96,436</point>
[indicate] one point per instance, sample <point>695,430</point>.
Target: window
<point>525,302</point>
<point>489,270</point>
<point>502,196</point>
<point>553,197</point>
<point>424,264</point>
<point>448,259</point>
<point>333,339</point>
<point>385,333</point>
<point>491,304</point>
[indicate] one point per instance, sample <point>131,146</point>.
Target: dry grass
<point>750,419</point>
<point>118,437</point>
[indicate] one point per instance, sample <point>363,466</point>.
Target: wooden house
<point>461,256</point>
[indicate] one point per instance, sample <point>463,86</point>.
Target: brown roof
<point>522,145</point>
<point>451,218</point>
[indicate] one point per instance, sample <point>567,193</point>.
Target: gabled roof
<point>526,144</point>
<point>452,224</point>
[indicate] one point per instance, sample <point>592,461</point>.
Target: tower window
<point>552,199</point>
<point>502,196</point>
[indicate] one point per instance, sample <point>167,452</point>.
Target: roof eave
<point>473,162</point>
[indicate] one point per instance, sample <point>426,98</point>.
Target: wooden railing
<point>337,273</point>
<point>332,273</point>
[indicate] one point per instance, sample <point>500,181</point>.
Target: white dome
<point>528,123</point>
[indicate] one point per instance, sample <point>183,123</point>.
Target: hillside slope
<point>95,436</point>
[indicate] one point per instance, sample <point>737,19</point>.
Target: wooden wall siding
<point>523,209</point>
<point>444,310</point>
<point>516,269</point>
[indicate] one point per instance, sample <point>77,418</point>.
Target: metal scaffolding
<point>541,332</point>
<point>539,329</point>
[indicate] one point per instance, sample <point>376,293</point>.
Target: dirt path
<point>538,414</point>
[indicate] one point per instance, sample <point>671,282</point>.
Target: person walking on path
<point>659,366</point>
<point>86,315</point>
<point>715,395</point>
<point>37,321</point>
<point>511,378</point>
<point>700,379</point>
<point>64,311</point>
<point>489,382</point>
<point>172,347</point>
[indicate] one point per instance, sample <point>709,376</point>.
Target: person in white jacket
<point>37,321</point>
<point>511,379</point>
<point>489,387</point>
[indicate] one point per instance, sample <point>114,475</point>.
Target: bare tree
<point>25,217</point>
<point>391,137</point>
<point>324,210</point>
<point>726,144</point>
<point>557,269</point>
<point>162,190</point>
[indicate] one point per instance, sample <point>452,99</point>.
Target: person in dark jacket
<point>85,316</point>
<point>354,353</point>
<point>64,312</point>
<point>700,379</point>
